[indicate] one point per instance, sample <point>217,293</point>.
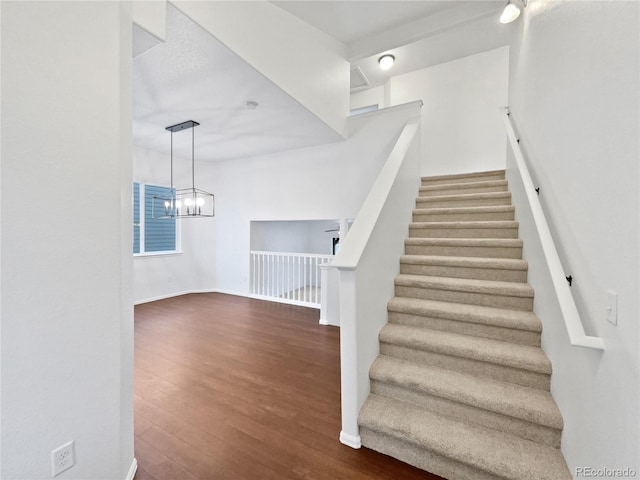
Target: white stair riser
<point>427,182</point>
<point>461,251</point>
<point>437,192</point>
<point>469,298</point>
<point>434,202</point>
<point>421,457</point>
<point>520,337</point>
<point>463,217</point>
<point>474,367</point>
<point>444,232</point>
<point>470,414</point>
<point>518,276</point>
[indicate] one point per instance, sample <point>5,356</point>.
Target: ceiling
<point>419,33</point>
<point>192,76</point>
<point>350,21</point>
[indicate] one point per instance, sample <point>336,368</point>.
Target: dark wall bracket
<point>569,279</point>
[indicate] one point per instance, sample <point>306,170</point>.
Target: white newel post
<point>330,295</point>
<point>350,434</point>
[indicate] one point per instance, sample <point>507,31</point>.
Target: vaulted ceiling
<point>193,76</point>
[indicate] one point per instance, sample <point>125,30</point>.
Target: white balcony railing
<point>288,277</point>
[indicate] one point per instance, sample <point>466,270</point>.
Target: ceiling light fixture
<point>386,61</point>
<point>185,202</point>
<point>512,10</point>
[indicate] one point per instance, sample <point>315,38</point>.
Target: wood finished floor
<point>234,388</point>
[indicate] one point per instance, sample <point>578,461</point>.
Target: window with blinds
<point>136,217</point>
<point>151,235</point>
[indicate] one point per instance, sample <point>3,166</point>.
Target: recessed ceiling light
<point>386,61</point>
<point>251,105</point>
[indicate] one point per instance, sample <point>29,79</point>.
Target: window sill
<point>157,254</point>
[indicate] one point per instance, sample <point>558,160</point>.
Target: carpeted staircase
<point>461,386</point>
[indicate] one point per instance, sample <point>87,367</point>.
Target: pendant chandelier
<point>185,202</point>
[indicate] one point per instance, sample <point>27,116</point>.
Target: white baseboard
<point>324,321</point>
<point>229,292</point>
<point>282,300</point>
<point>132,470</point>
<point>171,295</point>
<point>350,440</point>
<point>226,292</point>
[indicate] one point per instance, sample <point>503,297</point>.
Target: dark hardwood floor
<point>233,388</point>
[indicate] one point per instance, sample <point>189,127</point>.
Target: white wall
<point>368,97</point>
<point>327,181</point>
<point>151,16</point>
<point>66,284</point>
<point>461,127</point>
<point>159,276</point>
<point>301,236</point>
<point>574,97</point>
<point>306,63</point>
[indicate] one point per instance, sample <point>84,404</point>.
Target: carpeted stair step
<point>520,364</point>
<point>463,188</point>
<point>453,449</point>
<point>513,326</point>
<point>516,296</point>
<point>526,412</point>
<point>465,247</point>
<point>464,214</point>
<point>463,178</point>
<point>500,269</point>
<point>464,200</point>
<point>499,229</point>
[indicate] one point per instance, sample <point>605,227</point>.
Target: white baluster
<point>270,289</point>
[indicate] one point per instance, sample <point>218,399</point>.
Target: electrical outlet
<point>612,307</point>
<point>62,458</point>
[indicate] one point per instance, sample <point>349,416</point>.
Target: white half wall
<point>67,316</point>
<point>306,63</point>
<point>574,99</point>
<point>161,276</point>
<point>323,182</point>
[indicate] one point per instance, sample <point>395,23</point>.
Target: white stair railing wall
<point>293,278</point>
<point>367,264</point>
